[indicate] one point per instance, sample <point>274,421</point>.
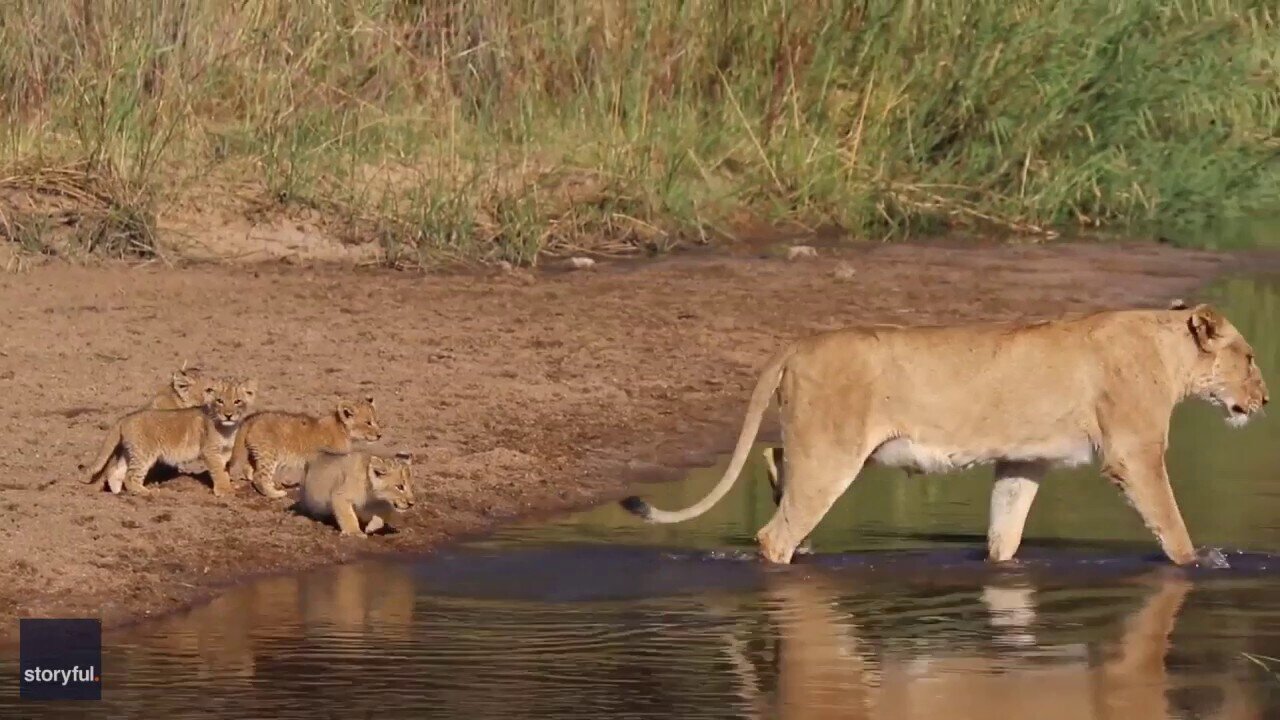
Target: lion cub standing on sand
<point>272,439</point>
<point>182,390</point>
<point>144,437</point>
<point>357,488</point>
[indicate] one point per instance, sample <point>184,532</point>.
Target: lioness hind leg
<point>811,486</point>
<point>1011,497</point>
<point>775,463</point>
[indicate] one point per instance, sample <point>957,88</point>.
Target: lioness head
<point>1226,373</point>
<point>391,480</point>
<point>229,400</point>
<point>360,418</point>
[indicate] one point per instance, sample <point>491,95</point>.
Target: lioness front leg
<point>1137,468</point>
<point>1011,497</point>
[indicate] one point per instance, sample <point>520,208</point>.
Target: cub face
<point>185,382</point>
<point>392,480</point>
<point>229,401</point>
<point>360,418</point>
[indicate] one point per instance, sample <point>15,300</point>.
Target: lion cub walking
<point>144,437</point>
<point>357,488</point>
<point>182,390</point>
<point>273,439</point>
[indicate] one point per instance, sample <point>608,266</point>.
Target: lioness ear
<point>180,381</point>
<point>1178,304</point>
<point>405,457</point>
<point>369,399</point>
<point>1206,326</point>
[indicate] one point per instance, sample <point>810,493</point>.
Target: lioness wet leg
<point>1014,490</point>
<point>1137,467</point>
<point>775,464</point>
<point>813,478</point>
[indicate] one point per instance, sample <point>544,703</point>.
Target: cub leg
<point>216,461</point>
<point>1011,497</point>
<point>345,514</point>
<point>115,473</point>
<point>264,471</point>
<point>139,465</point>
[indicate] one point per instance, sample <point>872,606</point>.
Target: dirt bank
<point>522,393</point>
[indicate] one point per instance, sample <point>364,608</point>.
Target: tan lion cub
<point>144,437</point>
<point>273,439</point>
<point>357,488</point>
<point>181,391</point>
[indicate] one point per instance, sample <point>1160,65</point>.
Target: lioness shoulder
<point>273,439</point>
<point>357,489</point>
<point>145,437</point>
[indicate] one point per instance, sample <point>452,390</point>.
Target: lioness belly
<point>921,457</point>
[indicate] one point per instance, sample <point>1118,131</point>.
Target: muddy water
<point>894,617</point>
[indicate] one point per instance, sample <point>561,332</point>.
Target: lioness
<point>144,437</point>
<point>357,488</point>
<point>1022,396</point>
<point>272,439</point>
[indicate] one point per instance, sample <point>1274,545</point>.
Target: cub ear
<point>180,381</point>
<point>345,411</point>
<point>1207,327</point>
<point>405,457</point>
<point>210,391</point>
<point>250,387</point>
<point>369,399</point>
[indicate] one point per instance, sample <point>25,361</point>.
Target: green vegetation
<point>508,129</point>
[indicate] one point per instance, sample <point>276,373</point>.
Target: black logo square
<point>61,659</point>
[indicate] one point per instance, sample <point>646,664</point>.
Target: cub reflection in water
<point>364,604</point>
<point>823,669</point>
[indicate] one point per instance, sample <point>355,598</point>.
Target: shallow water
<point>895,616</point>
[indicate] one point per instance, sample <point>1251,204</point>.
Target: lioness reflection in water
<point>823,669</point>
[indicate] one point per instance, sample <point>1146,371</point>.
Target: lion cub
<point>272,439</point>
<point>181,391</point>
<point>357,488</point>
<point>144,437</point>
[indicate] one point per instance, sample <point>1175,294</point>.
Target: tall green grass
<point>514,128</point>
